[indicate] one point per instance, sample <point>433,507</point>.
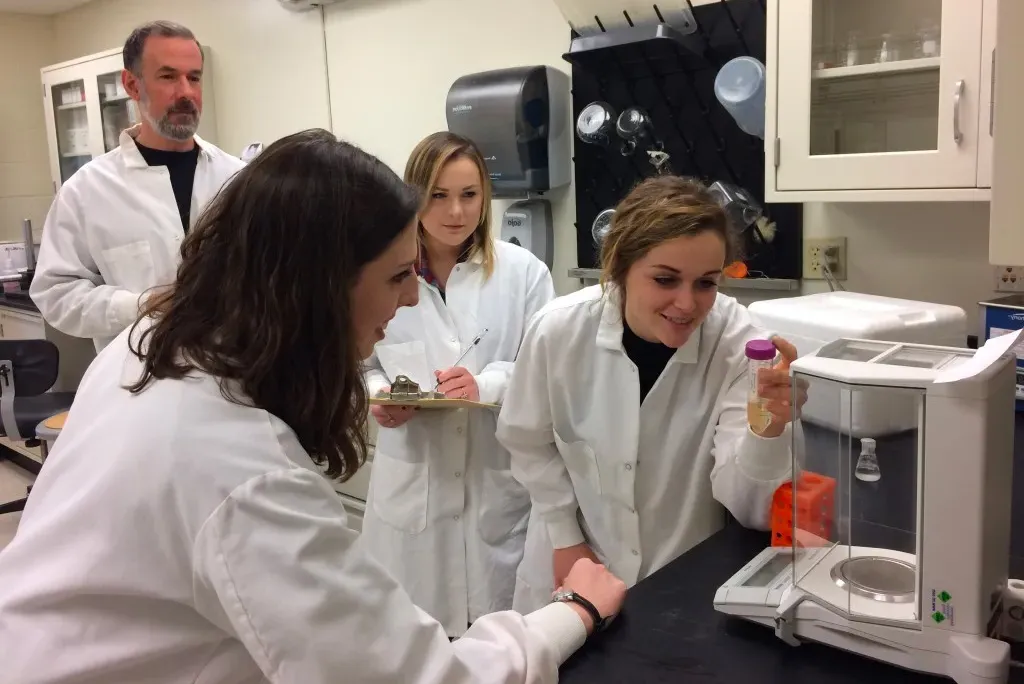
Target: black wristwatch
<point>569,596</point>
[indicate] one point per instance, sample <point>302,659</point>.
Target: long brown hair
<point>424,167</point>
<point>262,298</point>
<point>657,210</point>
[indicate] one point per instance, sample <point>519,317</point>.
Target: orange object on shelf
<point>736,269</point>
<point>814,507</point>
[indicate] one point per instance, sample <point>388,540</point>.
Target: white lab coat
<point>113,232</point>
<point>444,514</point>
<point>174,537</point>
<point>641,484</point>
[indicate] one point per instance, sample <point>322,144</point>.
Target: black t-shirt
<point>182,167</point>
<point>650,358</point>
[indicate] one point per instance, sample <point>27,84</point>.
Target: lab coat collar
<point>133,159</point>
<point>609,330</point>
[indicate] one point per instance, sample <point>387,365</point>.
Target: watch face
<point>562,595</point>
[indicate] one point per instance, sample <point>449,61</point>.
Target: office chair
<point>28,369</point>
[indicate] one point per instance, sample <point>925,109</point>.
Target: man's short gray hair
<point>136,42</point>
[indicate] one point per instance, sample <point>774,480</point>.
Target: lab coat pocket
<point>130,266</point>
<point>581,462</point>
<point>504,506</point>
<point>408,359</point>
<point>399,492</point>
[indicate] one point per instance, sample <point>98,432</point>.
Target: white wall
<point>931,251</point>
<point>269,76</point>
<point>391,63</point>
<point>26,45</point>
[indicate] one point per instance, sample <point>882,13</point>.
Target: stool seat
<point>55,423</point>
<point>29,412</point>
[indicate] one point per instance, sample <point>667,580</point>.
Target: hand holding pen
<point>457,382</point>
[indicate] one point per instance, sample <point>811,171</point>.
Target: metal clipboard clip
<point>404,389</point>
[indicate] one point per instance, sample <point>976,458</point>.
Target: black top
<point>650,358</point>
<point>669,630</point>
<point>182,167</point>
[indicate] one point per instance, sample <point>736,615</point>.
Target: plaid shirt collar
<point>423,267</point>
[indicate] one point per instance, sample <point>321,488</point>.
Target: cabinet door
<point>72,123</point>
<point>117,111</point>
<point>878,94</point>
<point>986,119</point>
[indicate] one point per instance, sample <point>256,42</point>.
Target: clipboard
<point>405,392</point>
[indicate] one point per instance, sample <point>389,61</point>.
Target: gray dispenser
<point>520,119</point>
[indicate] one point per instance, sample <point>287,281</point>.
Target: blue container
<point>998,317</point>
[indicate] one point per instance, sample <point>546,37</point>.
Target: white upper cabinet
<point>874,100</point>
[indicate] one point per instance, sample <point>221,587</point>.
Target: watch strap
<point>595,615</point>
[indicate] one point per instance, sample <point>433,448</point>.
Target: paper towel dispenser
<point>520,119</point>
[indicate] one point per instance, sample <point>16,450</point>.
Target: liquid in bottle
<point>760,355</point>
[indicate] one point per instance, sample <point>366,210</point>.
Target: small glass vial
<point>927,44</point>
<point>888,51</point>
<point>851,53</point>
<point>867,465</point>
<point>760,354</point>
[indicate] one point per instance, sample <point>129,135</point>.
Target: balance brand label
<point>942,608</point>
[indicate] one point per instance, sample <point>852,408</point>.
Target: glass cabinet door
<point>71,125</point>
<point>117,109</point>
<point>878,94</point>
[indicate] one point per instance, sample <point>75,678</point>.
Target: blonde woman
<point>444,514</point>
<point>635,464</point>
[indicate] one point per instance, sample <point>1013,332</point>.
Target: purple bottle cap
<point>760,350</point>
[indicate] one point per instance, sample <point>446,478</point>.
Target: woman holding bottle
<point>444,514</point>
<point>627,411</point>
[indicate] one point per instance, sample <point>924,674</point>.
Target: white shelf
<point>898,67</point>
<point>73,105</point>
<point>114,100</point>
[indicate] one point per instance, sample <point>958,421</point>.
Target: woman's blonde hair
<point>424,167</point>
<point>657,210</point>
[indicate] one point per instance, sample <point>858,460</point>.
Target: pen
<point>476,341</point>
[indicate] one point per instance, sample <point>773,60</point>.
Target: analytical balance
<point>916,579</point>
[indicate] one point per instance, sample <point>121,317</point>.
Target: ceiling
<point>39,6</point>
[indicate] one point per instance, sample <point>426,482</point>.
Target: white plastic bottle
<point>867,465</point>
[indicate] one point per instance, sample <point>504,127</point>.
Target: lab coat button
<point>629,466</point>
<point>458,474</point>
<point>635,552</point>
<point>456,518</point>
<point>459,430</point>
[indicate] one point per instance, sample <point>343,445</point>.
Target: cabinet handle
<point>958,135</point>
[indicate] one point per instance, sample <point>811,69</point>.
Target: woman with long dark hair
<point>182,530</point>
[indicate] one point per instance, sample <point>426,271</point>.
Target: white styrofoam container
<point>811,321</point>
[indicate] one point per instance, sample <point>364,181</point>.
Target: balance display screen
<point>767,572</point>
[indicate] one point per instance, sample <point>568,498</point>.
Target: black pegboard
<point>673,80</point>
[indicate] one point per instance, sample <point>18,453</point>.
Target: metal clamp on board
<point>404,389</point>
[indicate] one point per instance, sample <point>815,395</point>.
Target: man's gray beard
<point>172,131</point>
<point>164,126</point>
<point>177,132</point>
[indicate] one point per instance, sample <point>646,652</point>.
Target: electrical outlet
<point>1008,278</point>
<point>818,251</point>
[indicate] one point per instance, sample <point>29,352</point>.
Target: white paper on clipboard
<point>984,357</point>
